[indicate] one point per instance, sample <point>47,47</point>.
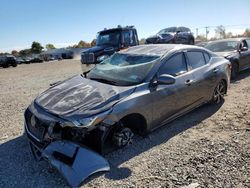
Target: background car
<point>36,59</point>
<point>27,59</point>
<point>8,60</point>
<point>236,50</point>
<point>175,35</point>
<point>20,60</point>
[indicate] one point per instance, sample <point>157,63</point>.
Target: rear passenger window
<point>207,57</point>
<point>174,66</point>
<point>195,59</point>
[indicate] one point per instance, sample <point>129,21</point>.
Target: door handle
<point>189,82</point>
<point>215,70</point>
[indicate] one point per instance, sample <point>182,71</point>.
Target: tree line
<point>220,33</point>
<point>37,48</point>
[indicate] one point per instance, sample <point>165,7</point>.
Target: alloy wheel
<point>123,137</point>
<point>219,92</point>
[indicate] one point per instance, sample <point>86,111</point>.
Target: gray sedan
<point>133,92</point>
<point>236,50</point>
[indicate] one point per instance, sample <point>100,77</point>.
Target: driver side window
<point>175,65</point>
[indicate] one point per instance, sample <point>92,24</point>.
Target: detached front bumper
<point>73,161</point>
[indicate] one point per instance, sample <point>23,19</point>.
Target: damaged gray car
<point>133,92</point>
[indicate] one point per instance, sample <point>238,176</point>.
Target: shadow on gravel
<point>241,76</point>
<point>18,168</point>
<point>156,138</point>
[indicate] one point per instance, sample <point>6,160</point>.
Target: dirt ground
<point>209,147</point>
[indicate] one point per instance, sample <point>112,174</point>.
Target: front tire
<point>5,66</point>
<point>122,137</point>
<point>219,92</point>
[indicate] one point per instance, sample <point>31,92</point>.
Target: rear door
<point>179,35</point>
<point>182,36</point>
<point>204,77</point>
<point>169,100</point>
<point>185,35</point>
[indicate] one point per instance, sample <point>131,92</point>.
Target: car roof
<point>157,49</point>
<point>117,29</point>
<point>230,39</point>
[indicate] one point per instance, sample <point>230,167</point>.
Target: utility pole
<point>206,32</point>
<point>197,32</point>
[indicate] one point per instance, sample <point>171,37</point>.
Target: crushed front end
<point>63,145</point>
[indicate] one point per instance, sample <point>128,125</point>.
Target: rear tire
<point>219,92</point>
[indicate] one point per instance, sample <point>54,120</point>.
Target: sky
<point>66,22</point>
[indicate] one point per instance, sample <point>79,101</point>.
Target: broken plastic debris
<point>74,162</point>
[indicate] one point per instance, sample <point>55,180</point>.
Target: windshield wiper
<point>104,81</point>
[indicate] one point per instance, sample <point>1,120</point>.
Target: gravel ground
<point>209,147</point>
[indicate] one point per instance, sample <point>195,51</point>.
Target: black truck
<point>109,41</point>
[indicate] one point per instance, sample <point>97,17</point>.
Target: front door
<point>168,100</point>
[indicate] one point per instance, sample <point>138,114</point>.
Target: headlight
<point>102,57</point>
<point>90,121</point>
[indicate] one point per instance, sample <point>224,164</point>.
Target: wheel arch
<point>225,81</point>
<point>235,60</point>
<point>235,64</point>
<point>136,122</point>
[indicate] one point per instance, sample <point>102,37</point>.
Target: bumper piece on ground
<point>74,162</point>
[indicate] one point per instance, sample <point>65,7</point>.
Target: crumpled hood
<point>81,96</point>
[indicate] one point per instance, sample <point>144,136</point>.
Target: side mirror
<point>165,79</point>
<point>244,48</point>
